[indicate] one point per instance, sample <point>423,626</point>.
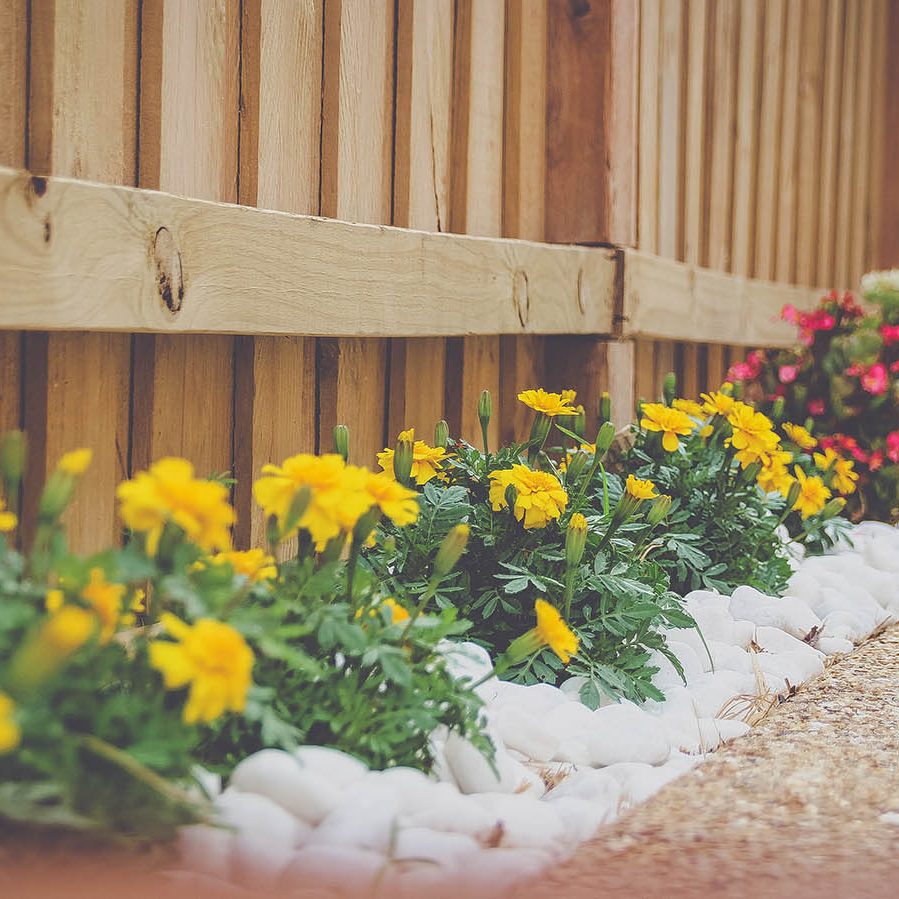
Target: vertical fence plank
<point>280,129</point>
<point>83,63</point>
<point>357,136</point>
<point>524,188</point>
<point>785,255</point>
<point>183,393</point>
<point>477,192</point>
<point>830,141</point>
<point>769,139</point>
<point>879,132</point>
<point>13,112</point>
<point>808,174</point>
<point>861,159</point>
<point>887,250</point>
<point>848,137</point>
<point>421,184</point>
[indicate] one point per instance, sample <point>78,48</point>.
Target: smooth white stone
<point>789,667</point>
<point>466,660</point>
<point>716,691</point>
<point>847,625</point>
<point>773,640</point>
<point>189,883</point>
<point>442,848</point>
<point>744,633</point>
<point>703,599</point>
<point>594,785</point>
<point>715,622</point>
<point>360,823</point>
<point>638,781</point>
<point>535,699</point>
<point>525,732</point>
<point>728,657</point>
<point>526,823</point>
<point>667,675</point>
<point>581,819</point>
<point>572,720</point>
<point>280,777</point>
<point>686,644</point>
<point>340,867</point>
<point>835,645</point>
<point>798,618</point>
<point>573,750</point>
<point>411,789</point>
<point>258,864</point>
<point>731,728</point>
<point>473,773</point>
<point>258,817</point>
<point>454,813</point>
<point>627,734</point>
<point>340,769</point>
<point>752,605</point>
<point>206,849</point>
<point>209,783</point>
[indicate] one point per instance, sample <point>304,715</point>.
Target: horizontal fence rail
<point>81,256</point>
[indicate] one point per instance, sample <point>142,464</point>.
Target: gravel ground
<point>806,805</point>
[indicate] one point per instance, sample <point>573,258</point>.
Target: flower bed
<point>463,663</point>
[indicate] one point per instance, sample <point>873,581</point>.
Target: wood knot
<point>520,296</point>
<point>38,185</point>
<point>169,276</point>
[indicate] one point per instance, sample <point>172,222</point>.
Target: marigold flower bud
<point>511,496</point>
<point>539,432</point>
<point>342,441</point>
<point>575,540</point>
<point>575,468</point>
<point>441,434</point>
<point>669,388</point>
<point>833,508</point>
<point>604,438</point>
<point>793,494</point>
<point>579,425</point>
<point>777,410</point>
<point>12,457</point>
<point>659,510</point>
<point>451,549</point>
<point>297,508</point>
<point>57,494</point>
<point>750,472</point>
<point>403,458</point>
<point>605,407</point>
<point>365,524</point>
<point>727,388</point>
<point>485,408</point>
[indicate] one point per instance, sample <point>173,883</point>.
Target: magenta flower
<point>890,334</point>
<point>816,407</point>
<point>787,373</point>
<point>875,380</point>
<point>893,446</point>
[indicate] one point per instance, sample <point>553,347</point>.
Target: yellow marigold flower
<point>550,404</point>
<point>76,462</point>
<point>54,600</point>
<point>554,632</point>
<point>669,422</point>
<point>105,599</point>
<point>640,489</point>
<point>753,437</point>
<point>774,476</point>
<point>813,495</point>
<point>719,403</point>
<point>577,522</point>
<point>706,431</point>
<point>540,496</point>
<point>397,502</point>
<point>170,492</point>
<point>211,658</point>
<point>254,564</point>
<point>66,630</point>
<point>338,494</point>
<point>691,407</point>
<point>397,613</point>
<point>844,475</point>
<point>10,734</point>
<point>427,461</point>
<point>8,520</point>
<point>800,436</point>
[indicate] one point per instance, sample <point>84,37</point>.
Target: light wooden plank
<point>357,136</point>
<point>524,188</point>
<point>716,365</point>
<point>848,139</point>
<point>746,153</point>
<point>808,174</point>
<point>695,134</point>
<point>184,388</point>
<point>13,127</point>
<point>280,133</point>
<point>249,271</point>
<point>785,253</point>
<point>879,133</point>
<point>477,193</point>
<point>76,385</point>
<point>830,140</point>
<point>770,116</point>
<point>861,160</point>
<point>725,40</point>
<point>421,184</point>
<point>887,250</point>
<point>676,300</point>
<point>621,381</point>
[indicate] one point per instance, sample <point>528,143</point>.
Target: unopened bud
<point>485,408</point>
<point>575,540</point>
<point>777,410</point>
<point>659,510</point>
<point>751,472</point>
<point>793,494</point>
<point>539,432</point>
<point>833,508</point>
<point>403,457</point>
<point>576,464</point>
<point>365,524</point>
<point>669,388</point>
<point>451,549</point>
<point>727,389</point>
<point>604,438</point>
<point>605,407</point>
<point>511,496</point>
<point>296,511</point>
<point>441,434</point>
<point>342,441</point>
<point>56,496</point>
<point>579,424</point>
<point>12,456</point>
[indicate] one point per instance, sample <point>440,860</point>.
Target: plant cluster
<point>842,381</point>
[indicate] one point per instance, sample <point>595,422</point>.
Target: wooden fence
<point>688,146</point>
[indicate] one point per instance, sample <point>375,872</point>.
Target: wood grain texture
<point>13,128</point>
<point>421,191</point>
<point>81,123</point>
<point>189,145</point>
<point>248,271</point>
<point>524,189</point>
<point>887,253</point>
<point>879,132</point>
<point>664,298</point>
<point>357,137</point>
<point>280,133</point>
<point>477,191</point>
